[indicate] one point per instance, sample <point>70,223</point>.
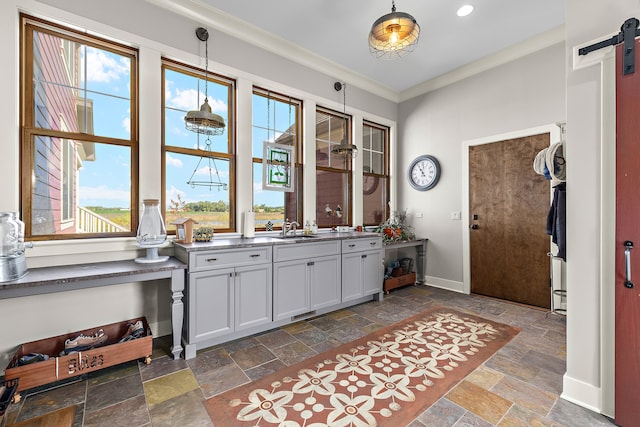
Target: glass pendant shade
<point>393,35</point>
<point>151,231</point>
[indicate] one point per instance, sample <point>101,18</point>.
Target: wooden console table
<point>420,246</point>
<point>47,280</point>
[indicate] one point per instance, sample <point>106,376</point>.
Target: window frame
<point>29,132</point>
<point>346,219</point>
<point>384,175</point>
<point>230,156</point>
<point>298,161</point>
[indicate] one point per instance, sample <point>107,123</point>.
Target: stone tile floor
<point>517,386</point>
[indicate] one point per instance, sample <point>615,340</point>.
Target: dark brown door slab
<point>508,205</point>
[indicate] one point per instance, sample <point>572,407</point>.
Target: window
<point>79,134</point>
<point>198,178</point>
<point>375,179</point>
<point>333,171</point>
<point>276,118</point>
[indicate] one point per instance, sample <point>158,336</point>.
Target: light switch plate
<point>456,215</point>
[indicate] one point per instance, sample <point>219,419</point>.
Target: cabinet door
<point>371,272</point>
<point>325,282</point>
<point>252,296</point>
<point>351,276</point>
<point>290,289</point>
<point>210,300</point>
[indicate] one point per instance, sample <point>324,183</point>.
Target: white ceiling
<point>337,31</point>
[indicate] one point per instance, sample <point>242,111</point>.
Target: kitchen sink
<point>297,237</point>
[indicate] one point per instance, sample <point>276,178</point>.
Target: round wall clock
<point>369,184</point>
<point>424,172</point>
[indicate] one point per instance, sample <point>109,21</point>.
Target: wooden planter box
<point>396,282</point>
<point>63,367</point>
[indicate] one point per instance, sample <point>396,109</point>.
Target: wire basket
<point>8,389</point>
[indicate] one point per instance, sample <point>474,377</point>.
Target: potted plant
<point>203,234</point>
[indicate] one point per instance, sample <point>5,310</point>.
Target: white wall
<point>522,94</point>
<point>155,32</point>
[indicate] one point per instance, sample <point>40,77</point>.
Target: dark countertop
<point>271,240</point>
<point>77,276</point>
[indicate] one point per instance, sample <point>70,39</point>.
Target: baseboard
<point>449,285</point>
<point>161,328</point>
<point>581,393</point>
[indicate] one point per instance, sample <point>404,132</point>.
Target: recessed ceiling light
<point>465,10</point>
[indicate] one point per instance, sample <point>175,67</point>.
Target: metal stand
<point>562,293</point>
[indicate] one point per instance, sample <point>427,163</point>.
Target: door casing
<point>554,132</point>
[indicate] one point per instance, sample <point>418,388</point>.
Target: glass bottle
<point>151,231</point>
<point>9,232</point>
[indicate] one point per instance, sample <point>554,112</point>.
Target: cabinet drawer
<point>359,245</point>
<point>305,250</point>
<point>207,260</point>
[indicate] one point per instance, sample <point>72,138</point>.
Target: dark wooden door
<point>508,207</point>
<point>627,377</point>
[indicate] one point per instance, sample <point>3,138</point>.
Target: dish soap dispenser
<point>314,227</point>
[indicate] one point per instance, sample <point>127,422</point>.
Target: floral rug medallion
<point>386,378</point>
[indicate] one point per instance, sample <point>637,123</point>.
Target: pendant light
<point>344,149</point>
<point>393,35</point>
<point>203,121</point>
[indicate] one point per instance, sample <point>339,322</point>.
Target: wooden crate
<point>63,367</point>
<point>396,282</point>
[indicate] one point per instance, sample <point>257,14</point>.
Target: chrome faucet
<point>292,227</point>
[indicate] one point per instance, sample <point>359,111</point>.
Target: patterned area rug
<point>387,378</point>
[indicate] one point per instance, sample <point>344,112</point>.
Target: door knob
<point>474,226</point>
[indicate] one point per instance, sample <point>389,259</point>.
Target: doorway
<point>505,248</point>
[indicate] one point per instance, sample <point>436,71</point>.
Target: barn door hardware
<point>628,33</point>
<point>628,244</point>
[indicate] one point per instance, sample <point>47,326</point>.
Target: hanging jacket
<point>557,219</point>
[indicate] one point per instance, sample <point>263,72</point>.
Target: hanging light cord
<point>344,110</point>
<point>206,68</point>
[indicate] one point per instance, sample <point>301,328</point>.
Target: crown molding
<point>527,47</point>
<point>199,11</point>
<point>242,30</point>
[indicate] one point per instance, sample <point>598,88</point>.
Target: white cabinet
<point>227,291</point>
<point>306,277</point>
<point>290,289</point>
<point>361,268</point>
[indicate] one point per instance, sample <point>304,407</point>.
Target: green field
<point>215,219</point>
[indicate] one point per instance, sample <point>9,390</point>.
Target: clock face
<point>424,172</point>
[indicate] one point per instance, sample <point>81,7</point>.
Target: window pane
<point>86,87</point>
<point>375,178</point>
<point>374,199</point>
<point>80,187</point>
<point>207,205</point>
<point>332,206</point>
<point>268,205</point>
<point>330,130</point>
<point>377,139</point>
<point>274,121</point>
<point>184,92</point>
